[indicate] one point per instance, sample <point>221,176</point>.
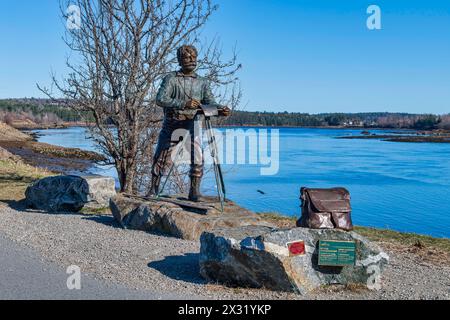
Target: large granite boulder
<point>258,257</point>
<point>178,217</point>
<point>70,193</point>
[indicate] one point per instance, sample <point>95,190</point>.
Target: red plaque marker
<point>296,248</point>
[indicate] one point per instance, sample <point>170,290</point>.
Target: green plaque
<point>337,253</point>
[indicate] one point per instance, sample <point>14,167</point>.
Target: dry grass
<point>15,177</point>
<point>279,220</point>
<point>8,133</point>
<point>427,249</point>
<point>97,212</point>
<point>410,239</point>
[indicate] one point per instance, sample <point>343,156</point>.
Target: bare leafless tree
<point>120,52</point>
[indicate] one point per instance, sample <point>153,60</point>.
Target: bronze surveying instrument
<point>208,111</point>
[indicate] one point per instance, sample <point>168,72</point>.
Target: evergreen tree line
<point>363,120</point>
<point>46,111</point>
<point>38,111</point>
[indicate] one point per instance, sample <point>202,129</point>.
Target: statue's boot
<point>194,192</point>
<point>154,188</point>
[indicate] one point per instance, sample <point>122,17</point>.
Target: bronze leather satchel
<point>325,209</point>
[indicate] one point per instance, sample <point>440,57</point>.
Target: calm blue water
<point>401,186</point>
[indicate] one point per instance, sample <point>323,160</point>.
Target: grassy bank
<point>410,239</point>
<point>15,177</point>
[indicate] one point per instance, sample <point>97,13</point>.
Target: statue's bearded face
<point>188,60</point>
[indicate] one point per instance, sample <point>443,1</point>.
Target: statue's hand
<point>225,112</point>
<point>193,104</point>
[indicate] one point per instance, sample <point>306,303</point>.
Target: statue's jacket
<point>176,89</point>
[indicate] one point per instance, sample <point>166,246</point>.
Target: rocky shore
<point>438,136</point>
<point>46,156</point>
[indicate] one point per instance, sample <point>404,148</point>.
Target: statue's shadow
<point>182,267</point>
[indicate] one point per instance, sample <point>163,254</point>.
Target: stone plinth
<point>258,257</point>
<point>178,217</point>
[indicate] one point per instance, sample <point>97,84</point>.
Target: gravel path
<point>143,261</point>
<point>23,268</point>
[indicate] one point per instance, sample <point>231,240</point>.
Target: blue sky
<point>297,55</point>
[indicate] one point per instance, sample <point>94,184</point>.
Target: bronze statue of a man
<point>181,95</point>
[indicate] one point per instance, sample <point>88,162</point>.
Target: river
<point>400,186</point>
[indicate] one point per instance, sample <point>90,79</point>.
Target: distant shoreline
<point>317,127</point>
<point>43,155</point>
<point>394,135</point>
<point>396,138</point>
<point>83,124</point>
